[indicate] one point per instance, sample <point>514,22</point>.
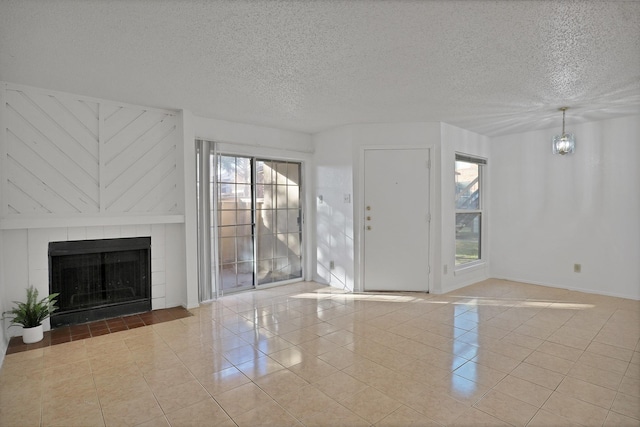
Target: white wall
<point>15,257</point>
<point>189,256</point>
<point>456,140</point>
<point>174,266</point>
<point>223,131</point>
<point>423,135</point>
<point>549,212</point>
<point>334,234</point>
<point>339,155</point>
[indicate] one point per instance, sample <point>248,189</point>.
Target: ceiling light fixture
<point>565,143</point>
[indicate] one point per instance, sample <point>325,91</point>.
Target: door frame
<point>358,220</point>
<point>305,159</point>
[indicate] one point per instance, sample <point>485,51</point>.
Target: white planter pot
<point>31,335</point>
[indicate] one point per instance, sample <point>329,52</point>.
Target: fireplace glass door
<point>99,279</point>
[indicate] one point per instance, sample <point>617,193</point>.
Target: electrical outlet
<point>577,268</point>
<point>332,265</point>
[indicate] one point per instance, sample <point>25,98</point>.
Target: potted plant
<point>31,313</point>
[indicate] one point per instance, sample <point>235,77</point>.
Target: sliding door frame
<point>268,154</point>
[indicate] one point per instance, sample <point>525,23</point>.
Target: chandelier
<point>565,143</point>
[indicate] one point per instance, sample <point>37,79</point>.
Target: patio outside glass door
<point>259,222</point>
<point>278,221</point>
<point>235,223</point>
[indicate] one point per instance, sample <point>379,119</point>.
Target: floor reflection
<point>494,353</point>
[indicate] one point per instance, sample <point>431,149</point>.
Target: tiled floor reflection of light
<point>493,353</point>
<point>371,297</point>
<point>465,350</point>
<point>469,371</point>
<point>463,386</point>
<point>479,301</point>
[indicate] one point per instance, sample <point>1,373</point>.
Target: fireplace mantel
<point>83,220</point>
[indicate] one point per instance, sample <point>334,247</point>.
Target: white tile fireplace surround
<point>34,242</point>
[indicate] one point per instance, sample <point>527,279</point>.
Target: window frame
<point>481,210</point>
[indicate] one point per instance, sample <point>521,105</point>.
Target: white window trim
<point>462,269</point>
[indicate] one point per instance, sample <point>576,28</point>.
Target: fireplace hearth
<point>99,279</point>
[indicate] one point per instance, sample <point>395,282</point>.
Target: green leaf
<point>32,312</point>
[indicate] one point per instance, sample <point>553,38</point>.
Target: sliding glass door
<point>257,219</point>
<point>279,221</point>
<point>236,223</point>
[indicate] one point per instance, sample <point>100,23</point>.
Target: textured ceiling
<point>494,67</point>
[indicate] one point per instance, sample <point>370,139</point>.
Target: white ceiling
<point>494,67</point>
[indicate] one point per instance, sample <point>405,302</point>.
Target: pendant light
<point>565,143</point>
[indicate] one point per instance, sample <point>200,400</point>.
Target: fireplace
<point>99,279</point>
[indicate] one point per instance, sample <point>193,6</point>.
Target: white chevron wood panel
<point>52,123</point>
<point>139,159</point>
<point>153,183</point>
<point>22,202</point>
<point>29,186</point>
<point>116,119</point>
<point>66,188</point>
<point>121,153</point>
<point>69,154</point>
<point>55,147</point>
<point>22,135</point>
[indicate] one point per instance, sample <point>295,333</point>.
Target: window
<point>469,209</point>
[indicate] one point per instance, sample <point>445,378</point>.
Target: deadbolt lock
<point>368,218</point>
<point>368,208</point>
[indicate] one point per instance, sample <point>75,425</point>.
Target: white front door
<point>396,220</point>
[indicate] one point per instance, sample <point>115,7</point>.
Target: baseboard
<point>459,286</point>
<point>318,279</point>
<point>570,288</point>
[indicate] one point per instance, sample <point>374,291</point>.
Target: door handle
<point>368,227</point>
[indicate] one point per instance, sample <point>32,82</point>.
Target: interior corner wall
<point>549,212</point>
<point>333,159</point>
<point>338,159</point>
<point>189,255</point>
<point>175,268</point>
<point>457,140</point>
<point>390,135</point>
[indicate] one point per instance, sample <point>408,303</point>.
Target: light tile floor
<point>491,354</point>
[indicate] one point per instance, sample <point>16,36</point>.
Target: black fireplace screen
<point>98,279</point>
